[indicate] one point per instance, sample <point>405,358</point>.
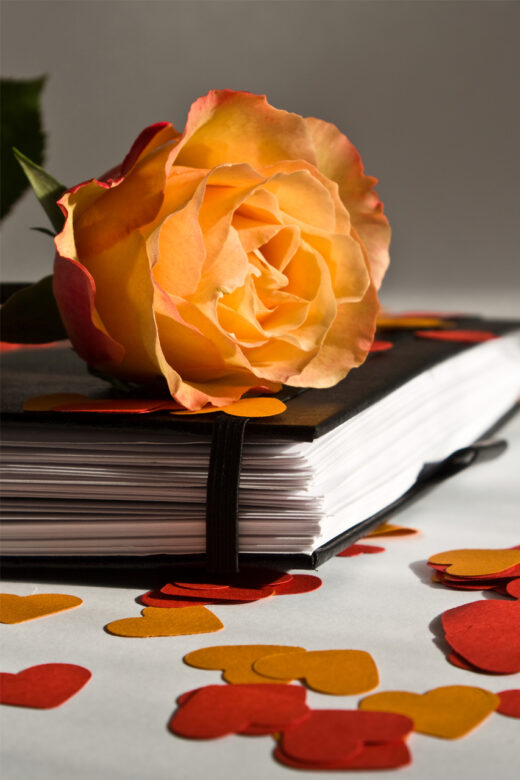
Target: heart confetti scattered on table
<point>236,661</point>
<point>337,672</point>
<point>240,589</point>
<point>485,634</point>
<point>330,739</point>
<point>43,686</point>
<point>381,346</point>
<point>219,710</point>
<point>449,712</point>
<point>165,622</point>
<point>359,549</point>
<point>18,609</point>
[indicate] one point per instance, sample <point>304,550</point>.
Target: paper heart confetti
<point>338,672</point>
<point>509,703</point>
<point>464,336</point>
<point>448,712</point>
<point>74,402</point>
<point>218,710</point>
<point>299,583</point>
<point>400,322</point>
<point>387,755</point>
<point>389,529</point>
<point>167,622</point>
<point>513,588</point>
<point>236,661</point>
<point>360,549</point>
<point>476,562</point>
<point>18,609</point>
<point>43,686</point>
<point>329,737</point>
<point>245,407</point>
<point>381,346</point>
<point>228,593</point>
<point>486,634</point>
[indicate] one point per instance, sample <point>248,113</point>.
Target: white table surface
<point>116,727</point>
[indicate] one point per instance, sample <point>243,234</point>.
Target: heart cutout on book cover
<point>43,686</point>
<point>449,712</point>
<point>236,661</point>
<point>217,710</point>
<point>338,672</point>
<point>477,562</point>
<point>330,736</point>
<point>386,755</point>
<point>18,609</point>
<point>167,622</point>
<point>486,634</point>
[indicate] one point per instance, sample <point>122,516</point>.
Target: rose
<point>244,253</point>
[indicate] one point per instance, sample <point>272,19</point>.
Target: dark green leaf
<point>31,316</point>
<point>21,126</point>
<point>45,187</point>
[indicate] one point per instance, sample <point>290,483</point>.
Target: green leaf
<point>30,316</point>
<point>45,187</point>
<point>20,124</point>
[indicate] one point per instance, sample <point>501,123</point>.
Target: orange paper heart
<point>18,609</point>
<point>167,622</point>
<point>448,712</point>
<point>388,529</point>
<point>476,563</point>
<point>338,672</point>
<point>236,661</point>
<point>245,407</point>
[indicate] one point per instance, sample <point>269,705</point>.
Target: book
<point>85,489</point>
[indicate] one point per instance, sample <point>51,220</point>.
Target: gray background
<point>428,92</point>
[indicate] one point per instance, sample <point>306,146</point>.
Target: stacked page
<point>98,490</point>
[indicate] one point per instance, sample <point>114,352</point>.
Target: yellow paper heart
<point>245,407</point>
<point>167,622</point>
<point>478,562</point>
<point>448,712</point>
<point>338,672</point>
<point>236,661</point>
<point>411,323</point>
<point>18,609</point>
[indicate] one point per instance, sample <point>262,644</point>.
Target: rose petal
<point>340,161</point>
<point>234,127</point>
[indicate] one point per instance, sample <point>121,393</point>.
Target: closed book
<point>84,490</point>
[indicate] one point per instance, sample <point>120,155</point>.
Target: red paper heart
<point>387,755</point>
<point>226,594</point>
<point>486,634</point>
<point>513,588</point>
<point>335,735</point>
<point>217,710</point>
<point>465,336</point>
<point>299,583</point>
<point>43,686</point>
<point>360,549</point>
<point>510,703</point>
<point>381,346</point>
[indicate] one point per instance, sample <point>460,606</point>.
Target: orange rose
<point>245,252</point>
